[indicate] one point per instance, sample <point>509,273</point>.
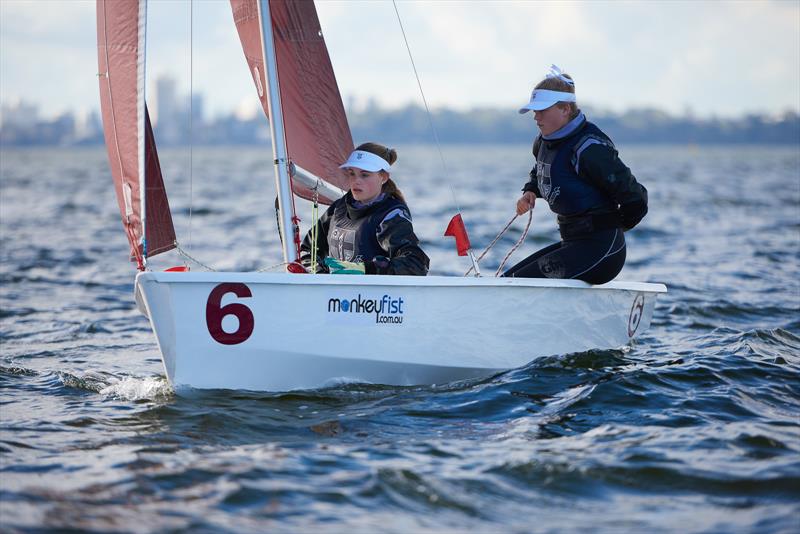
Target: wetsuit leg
<point>528,267</point>
<point>595,259</point>
<point>607,260</point>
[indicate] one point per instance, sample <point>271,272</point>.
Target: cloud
<point>48,53</point>
<point>663,54</point>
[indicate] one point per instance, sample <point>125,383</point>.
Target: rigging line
<point>513,249</point>
<point>191,116</point>
<point>194,260</point>
<point>141,104</point>
<point>516,245</point>
<point>490,245</point>
<point>427,109</point>
<point>273,267</point>
<point>314,229</point>
<point>189,257</point>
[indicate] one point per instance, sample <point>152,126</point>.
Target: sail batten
<point>130,143</point>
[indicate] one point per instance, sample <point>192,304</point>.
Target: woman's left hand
<point>526,202</point>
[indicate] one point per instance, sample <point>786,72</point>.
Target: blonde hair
<point>390,155</point>
<point>552,83</point>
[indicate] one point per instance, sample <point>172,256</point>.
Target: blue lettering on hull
<point>387,309</point>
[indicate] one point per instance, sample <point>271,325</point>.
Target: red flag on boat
<point>456,229</point>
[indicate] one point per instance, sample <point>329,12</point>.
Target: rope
<point>136,253</point>
<point>271,267</point>
<point>427,109</point>
<point>191,116</point>
<point>194,260</point>
<point>295,219</point>
<point>516,245</point>
<point>189,257</point>
<point>433,129</point>
<point>503,231</point>
<point>314,219</point>
<point>513,249</point>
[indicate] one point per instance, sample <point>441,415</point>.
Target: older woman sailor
<point>367,231</point>
<point>579,174</point>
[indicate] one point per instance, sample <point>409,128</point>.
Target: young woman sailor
<point>369,230</point>
<point>579,174</point>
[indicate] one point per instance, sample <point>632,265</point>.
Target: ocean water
<point>695,427</point>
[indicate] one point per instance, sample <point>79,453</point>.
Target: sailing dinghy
<point>283,331</point>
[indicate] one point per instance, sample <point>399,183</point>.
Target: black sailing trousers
<point>595,258</point>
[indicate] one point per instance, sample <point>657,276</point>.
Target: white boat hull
<point>277,332</point>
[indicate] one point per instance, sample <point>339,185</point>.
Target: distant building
<point>89,129</point>
<point>19,114</point>
<point>198,113</point>
<point>164,99</point>
<point>167,116</point>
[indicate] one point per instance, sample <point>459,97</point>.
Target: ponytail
<point>390,188</point>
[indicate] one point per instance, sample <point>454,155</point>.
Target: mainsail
<point>126,124</point>
<point>318,138</point>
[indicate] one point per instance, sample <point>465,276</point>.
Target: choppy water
<point>695,428</point>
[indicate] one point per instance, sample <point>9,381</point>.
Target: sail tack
<point>317,134</point>
<point>128,134</point>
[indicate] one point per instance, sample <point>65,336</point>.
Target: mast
<point>281,161</point>
<point>140,121</point>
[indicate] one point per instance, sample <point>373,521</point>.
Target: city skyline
<point>709,58</point>
<point>180,120</point>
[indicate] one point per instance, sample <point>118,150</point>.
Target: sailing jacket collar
<point>568,129</point>
<point>357,210</point>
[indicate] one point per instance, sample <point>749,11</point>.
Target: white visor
<point>543,99</point>
<point>366,161</point>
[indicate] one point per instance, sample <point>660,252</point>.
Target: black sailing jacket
<point>359,234</point>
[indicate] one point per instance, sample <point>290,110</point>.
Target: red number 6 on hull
<point>215,313</point>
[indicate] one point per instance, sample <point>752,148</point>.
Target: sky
<point>708,58</point>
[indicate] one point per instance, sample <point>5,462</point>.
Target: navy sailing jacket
<point>579,173</point>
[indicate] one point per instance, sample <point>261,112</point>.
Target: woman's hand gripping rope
<point>526,202</point>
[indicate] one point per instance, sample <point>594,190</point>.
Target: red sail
<point>159,229</point>
<point>128,134</point>
<point>317,135</point>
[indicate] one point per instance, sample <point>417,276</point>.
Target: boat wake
<point>130,388</point>
<point>135,389</point>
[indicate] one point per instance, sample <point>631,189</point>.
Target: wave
<point>106,384</point>
<point>136,389</point>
